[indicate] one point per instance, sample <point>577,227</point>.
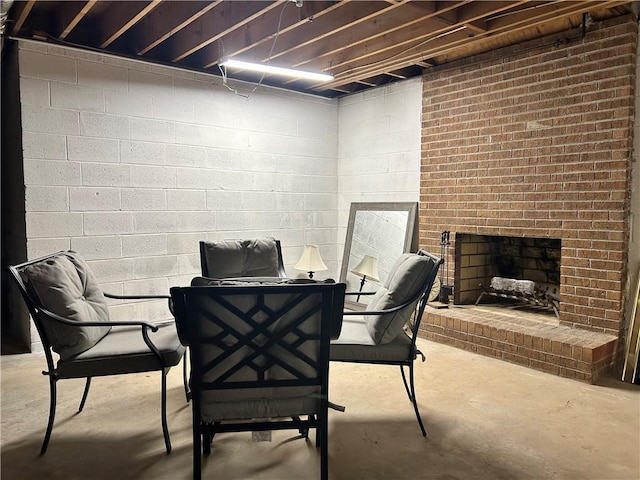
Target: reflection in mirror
<point>377,234</point>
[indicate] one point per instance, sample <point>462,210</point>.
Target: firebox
<point>503,269</point>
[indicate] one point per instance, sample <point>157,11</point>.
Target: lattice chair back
<point>258,351</point>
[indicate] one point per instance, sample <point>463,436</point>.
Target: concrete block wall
<point>378,148</point>
<point>132,164</point>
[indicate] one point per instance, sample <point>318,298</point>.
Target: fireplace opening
<point>521,272</point>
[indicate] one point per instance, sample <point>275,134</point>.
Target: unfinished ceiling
<point>363,44</point>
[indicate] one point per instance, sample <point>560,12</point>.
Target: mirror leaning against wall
<point>377,234</point>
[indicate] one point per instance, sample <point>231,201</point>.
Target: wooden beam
<point>355,16</point>
<point>215,24</point>
<point>397,48</point>
<point>23,10</point>
<point>327,27</point>
<point>399,58</point>
<point>401,27</point>
<point>255,42</point>
<point>380,49</point>
<point>75,16</point>
<point>477,27</point>
<point>123,16</point>
<point>169,19</point>
<point>348,34</point>
<point>368,84</point>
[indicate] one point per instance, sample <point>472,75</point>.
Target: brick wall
<point>536,140</point>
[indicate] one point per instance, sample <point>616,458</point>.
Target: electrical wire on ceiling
<point>223,70</point>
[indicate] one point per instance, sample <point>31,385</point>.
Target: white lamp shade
<point>368,267</point>
<point>310,260</point>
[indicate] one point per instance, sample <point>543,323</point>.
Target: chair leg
<point>207,440</point>
<point>197,453</point>
<point>185,378</point>
<point>318,432</point>
<point>406,385</point>
<point>322,435</point>
<point>52,412</point>
<point>84,395</point>
<point>163,413</point>
<point>304,432</point>
<point>412,396</point>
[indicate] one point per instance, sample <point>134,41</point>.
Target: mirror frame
<point>411,233</point>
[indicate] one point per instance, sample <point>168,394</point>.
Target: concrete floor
<point>486,419</point>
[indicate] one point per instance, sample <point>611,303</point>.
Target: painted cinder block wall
<point>132,164</point>
<point>378,148</point>
<point>536,140</point>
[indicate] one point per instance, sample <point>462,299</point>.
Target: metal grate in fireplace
<point>522,292</point>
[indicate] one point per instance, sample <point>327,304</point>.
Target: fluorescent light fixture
<point>286,72</point>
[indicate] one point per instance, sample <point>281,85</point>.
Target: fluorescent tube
<point>270,69</point>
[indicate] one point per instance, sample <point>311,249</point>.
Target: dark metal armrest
<point>375,312</point>
<point>359,293</point>
<point>136,297</point>
<point>144,328</point>
<point>117,323</point>
<point>141,297</point>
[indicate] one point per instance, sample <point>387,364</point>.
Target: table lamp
<point>368,270</point>
<point>310,261</point>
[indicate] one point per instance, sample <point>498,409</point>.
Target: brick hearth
<point>501,333</point>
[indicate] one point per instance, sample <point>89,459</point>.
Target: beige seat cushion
<point>65,285</point>
<point>356,345</point>
<point>407,275</point>
<point>123,350</point>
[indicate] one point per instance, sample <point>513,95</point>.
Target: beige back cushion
<point>242,258</point>
<point>65,285</point>
<point>406,277</point>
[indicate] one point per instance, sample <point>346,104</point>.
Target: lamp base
<point>364,279</point>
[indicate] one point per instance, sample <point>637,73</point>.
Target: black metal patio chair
<point>80,340</point>
<point>258,351</point>
<point>386,333</point>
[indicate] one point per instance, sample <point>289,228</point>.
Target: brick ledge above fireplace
<point>568,352</point>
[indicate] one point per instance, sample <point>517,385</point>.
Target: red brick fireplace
<point>535,141</point>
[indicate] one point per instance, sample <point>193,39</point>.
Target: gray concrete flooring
<point>486,419</point>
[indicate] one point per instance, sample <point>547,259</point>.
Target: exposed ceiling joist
<point>362,44</point>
